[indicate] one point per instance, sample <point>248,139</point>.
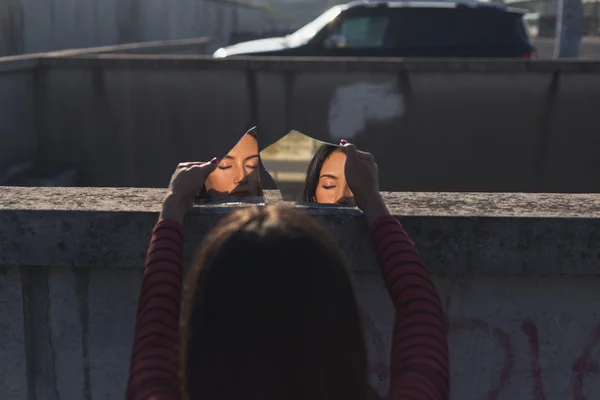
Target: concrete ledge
<point>457,233</point>
<point>338,64</point>
<point>135,200</point>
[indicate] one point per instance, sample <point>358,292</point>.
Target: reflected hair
<point>252,132</point>
<point>270,313</point>
<point>313,171</point>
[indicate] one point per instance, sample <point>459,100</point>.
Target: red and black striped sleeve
<point>154,370</point>
<point>419,362</point>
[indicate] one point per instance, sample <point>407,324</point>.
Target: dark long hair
<point>313,171</point>
<point>270,313</point>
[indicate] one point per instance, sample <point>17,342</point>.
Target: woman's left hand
<point>187,180</point>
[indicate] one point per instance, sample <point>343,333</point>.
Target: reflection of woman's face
<point>332,187</point>
<point>237,173</point>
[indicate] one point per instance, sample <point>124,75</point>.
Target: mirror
<point>336,41</point>
<point>308,170</point>
<point>237,177</point>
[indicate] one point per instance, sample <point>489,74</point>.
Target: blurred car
<point>402,29</point>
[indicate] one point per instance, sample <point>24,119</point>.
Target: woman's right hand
<point>362,175</point>
<point>187,180</point>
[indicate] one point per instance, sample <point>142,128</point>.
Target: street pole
<point>596,19</point>
<point>569,25</point>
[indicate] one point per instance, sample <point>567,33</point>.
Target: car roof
<point>433,4</point>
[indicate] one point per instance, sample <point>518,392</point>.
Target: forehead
<point>246,146</point>
<point>335,161</point>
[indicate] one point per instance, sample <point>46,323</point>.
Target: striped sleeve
<point>419,360</point>
<point>154,369</point>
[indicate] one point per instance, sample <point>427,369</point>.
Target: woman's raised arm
<point>419,360</point>
<point>154,369</point>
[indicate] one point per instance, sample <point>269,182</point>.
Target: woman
<point>325,178</point>
<point>269,310</point>
<point>237,174</point>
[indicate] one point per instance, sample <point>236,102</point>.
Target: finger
<point>366,156</point>
<point>349,149</point>
<point>191,163</point>
<point>206,168</point>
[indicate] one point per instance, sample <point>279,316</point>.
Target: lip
<point>240,194</point>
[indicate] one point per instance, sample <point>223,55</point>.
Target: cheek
<point>218,181</point>
<point>326,196</point>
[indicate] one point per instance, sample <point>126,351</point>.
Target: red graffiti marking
<point>584,366</point>
<point>503,338</point>
<point>531,331</point>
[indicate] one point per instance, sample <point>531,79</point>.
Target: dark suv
<point>402,29</point>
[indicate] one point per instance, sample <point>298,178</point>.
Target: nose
<point>241,176</point>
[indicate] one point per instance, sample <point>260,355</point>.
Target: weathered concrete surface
<point>475,126</point>
<point>32,26</point>
<point>518,275</point>
<point>522,205</point>
<point>85,227</point>
<point>13,374</point>
<point>590,46</point>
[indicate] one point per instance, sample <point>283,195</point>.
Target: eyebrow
<point>328,176</point>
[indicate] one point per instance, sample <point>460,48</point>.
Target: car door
<point>360,32</point>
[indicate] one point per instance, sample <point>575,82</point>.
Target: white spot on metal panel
<point>353,105</point>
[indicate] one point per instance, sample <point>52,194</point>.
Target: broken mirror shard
<point>308,170</point>
<point>237,176</point>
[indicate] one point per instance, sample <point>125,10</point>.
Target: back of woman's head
<point>270,313</point>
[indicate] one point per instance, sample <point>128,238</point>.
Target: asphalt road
<point>590,47</point>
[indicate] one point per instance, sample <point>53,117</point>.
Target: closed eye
<point>224,167</point>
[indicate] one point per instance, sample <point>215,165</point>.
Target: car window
<point>452,27</point>
<point>364,31</point>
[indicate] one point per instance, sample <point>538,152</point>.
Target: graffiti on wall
<point>583,367</point>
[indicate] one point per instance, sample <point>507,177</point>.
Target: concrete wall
<point>18,140</point>
<point>518,275</point>
<point>197,45</point>
<point>432,125</point>
<point>31,26</point>
<point>588,50</point>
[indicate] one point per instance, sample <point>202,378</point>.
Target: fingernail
<point>214,160</point>
<point>343,141</point>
